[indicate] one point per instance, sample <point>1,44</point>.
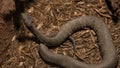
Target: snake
<point>106,47</point>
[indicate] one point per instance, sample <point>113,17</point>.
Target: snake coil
<point>107,49</point>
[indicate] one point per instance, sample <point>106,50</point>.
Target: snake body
<point>108,50</point>
<point>68,62</point>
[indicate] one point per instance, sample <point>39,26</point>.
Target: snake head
<point>27,19</point>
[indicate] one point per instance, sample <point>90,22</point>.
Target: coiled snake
<point>108,52</point>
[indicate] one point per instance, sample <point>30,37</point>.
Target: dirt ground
<point>49,16</point>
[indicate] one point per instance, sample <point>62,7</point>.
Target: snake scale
<point>107,49</point>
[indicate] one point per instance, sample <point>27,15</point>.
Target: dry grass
<point>49,16</point>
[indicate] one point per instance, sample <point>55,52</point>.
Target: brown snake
<point>107,49</point>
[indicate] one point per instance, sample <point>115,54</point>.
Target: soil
<point>49,16</point>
